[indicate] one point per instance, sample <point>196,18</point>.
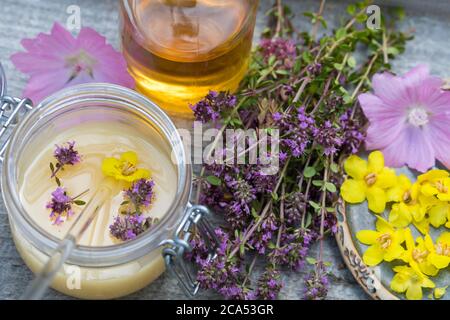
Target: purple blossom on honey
<point>140,194</point>
<point>61,205</point>
<point>65,155</point>
<point>408,119</point>
<point>58,60</point>
<point>132,222</point>
<point>128,227</point>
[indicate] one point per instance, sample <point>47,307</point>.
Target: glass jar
<point>110,271</point>
<point>178,50</point>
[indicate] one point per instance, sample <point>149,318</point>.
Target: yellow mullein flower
<point>417,255</point>
<point>439,214</point>
<point>440,252</point>
<point>409,208</point>
<point>384,243</point>
<point>369,180</point>
<point>124,168</point>
<point>435,192</point>
<point>410,280</point>
<point>435,183</point>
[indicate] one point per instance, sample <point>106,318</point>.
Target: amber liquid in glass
<point>177,50</point>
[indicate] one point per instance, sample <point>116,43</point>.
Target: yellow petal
<point>376,199</point>
<point>383,226</point>
<point>373,255</point>
<point>110,167</point>
<point>404,181</point>
<point>386,179</point>
<point>439,292</point>
<point>427,283</point>
<point>137,175</point>
<point>428,268</point>
<point>130,157</point>
<point>428,190</point>
<point>409,240</point>
<point>418,212</point>
<point>438,214</point>
<point>444,238</point>
<point>395,194</point>
<point>414,292</point>
<point>367,236</point>
<point>423,226</point>
<point>432,175</point>
<point>353,191</point>
<point>428,242</point>
<point>399,216</point>
<point>355,167</point>
<point>394,252</point>
<point>376,161</point>
<point>400,282</point>
<point>438,261</point>
<point>444,196</point>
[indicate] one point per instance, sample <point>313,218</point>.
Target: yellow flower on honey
<point>418,255</point>
<point>439,252</point>
<point>369,180</point>
<point>384,243</point>
<point>410,280</point>
<point>124,168</point>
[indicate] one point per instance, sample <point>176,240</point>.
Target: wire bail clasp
<point>173,254</point>
<point>10,110</point>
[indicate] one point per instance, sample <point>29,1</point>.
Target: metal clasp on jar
<point>173,253</point>
<point>10,110</point>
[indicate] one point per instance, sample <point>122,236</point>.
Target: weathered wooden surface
<point>25,18</point>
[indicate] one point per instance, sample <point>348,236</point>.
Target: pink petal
<point>42,85</point>
<point>372,105</point>
<point>386,122</point>
<point>439,130</point>
<point>390,89</point>
<point>416,75</point>
<point>412,147</point>
<point>425,92</point>
<point>89,38</point>
<point>31,63</point>
<point>440,104</point>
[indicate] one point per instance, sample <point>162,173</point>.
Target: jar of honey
<point>178,50</point>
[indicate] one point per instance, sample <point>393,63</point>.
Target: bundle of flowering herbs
<point>306,87</point>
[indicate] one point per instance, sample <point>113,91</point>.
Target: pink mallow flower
<point>409,119</point>
<point>58,60</point>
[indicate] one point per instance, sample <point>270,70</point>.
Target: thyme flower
<point>61,205</point>
<point>128,227</point>
<point>65,155</point>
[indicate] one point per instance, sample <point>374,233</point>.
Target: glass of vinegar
<point>178,50</point>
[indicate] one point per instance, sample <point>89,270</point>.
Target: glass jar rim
<point>249,20</point>
<point>102,255</point>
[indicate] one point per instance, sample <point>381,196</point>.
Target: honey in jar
<point>178,50</point>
